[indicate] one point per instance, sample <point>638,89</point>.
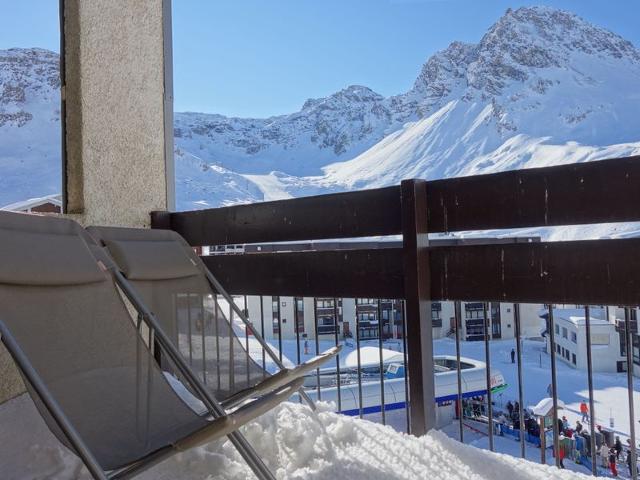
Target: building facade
<point>608,338</point>
<point>326,318</point>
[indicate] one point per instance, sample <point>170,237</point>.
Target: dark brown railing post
<point>413,194</point>
<point>161,219</point>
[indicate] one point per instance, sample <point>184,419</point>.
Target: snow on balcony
<point>295,443</point>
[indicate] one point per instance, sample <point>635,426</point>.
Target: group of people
<point>610,455</point>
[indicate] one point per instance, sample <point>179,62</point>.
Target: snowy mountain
<point>541,87</point>
<point>29,124</point>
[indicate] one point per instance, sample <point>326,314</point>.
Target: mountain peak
<point>536,28</point>
<point>352,93</point>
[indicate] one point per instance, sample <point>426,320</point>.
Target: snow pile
<point>295,444</point>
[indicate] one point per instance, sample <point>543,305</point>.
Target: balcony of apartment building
<point>399,283</point>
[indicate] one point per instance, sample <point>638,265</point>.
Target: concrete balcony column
<point>117,89</point>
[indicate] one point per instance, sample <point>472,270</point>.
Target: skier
<point>513,356</point>
<point>618,447</point>
<point>565,424</point>
<point>584,410</point>
<point>612,462</point>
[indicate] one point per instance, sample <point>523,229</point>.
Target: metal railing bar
<point>216,316</point>
<point>336,325</point>
<point>457,316</point>
<point>279,330</point>
<point>317,345</point>
<point>382,404</point>
<point>204,340</point>
<point>232,360</point>
<point>246,339</point>
<point>296,319</point>
<point>554,388</point>
<point>487,356</point>
<point>406,365</point>
<point>264,354</point>
<point>360,409</point>
<point>632,421</point>
<point>516,315</point>
<point>592,413</point>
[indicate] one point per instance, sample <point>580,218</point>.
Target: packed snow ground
<point>294,442</point>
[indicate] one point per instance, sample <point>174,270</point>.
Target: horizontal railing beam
<point>375,273</point>
<point>340,215</point>
<point>581,193</point>
<point>589,272</point>
<point>581,272</point>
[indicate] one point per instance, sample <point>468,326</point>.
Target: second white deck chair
<point>174,282</point>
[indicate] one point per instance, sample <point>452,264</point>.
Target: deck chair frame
<point>217,286</point>
<point>160,339</point>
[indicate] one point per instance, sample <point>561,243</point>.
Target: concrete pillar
<point>117,168</point>
<point>117,90</point>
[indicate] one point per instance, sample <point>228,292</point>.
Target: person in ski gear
<point>618,446</point>
<point>578,428</point>
<point>612,462</point>
<point>584,410</point>
<point>604,455</point>
<point>561,452</point>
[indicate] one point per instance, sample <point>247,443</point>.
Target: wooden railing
<point>577,272</point>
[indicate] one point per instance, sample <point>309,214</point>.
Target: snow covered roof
<point>576,316</point>
<point>370,356</point>
<point>26,205</point>
<point>545,407</point>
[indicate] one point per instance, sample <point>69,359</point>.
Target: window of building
<point>557,348</point>
<point>564,332</point>
<point>557,329</point>
<point>367,317</point>
<point>366,301</point>
<point>574,337</point>
<point>573,358</point>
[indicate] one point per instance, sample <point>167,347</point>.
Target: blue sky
<point>260,58</point>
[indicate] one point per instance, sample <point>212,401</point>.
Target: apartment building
<point>327,317</point>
